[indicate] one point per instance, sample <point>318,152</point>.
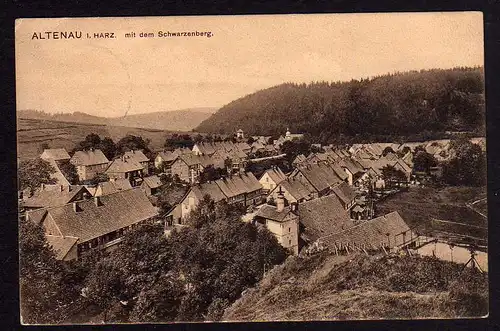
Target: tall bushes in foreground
<point>190,276</point>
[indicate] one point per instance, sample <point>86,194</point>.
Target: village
<point>327,200</point>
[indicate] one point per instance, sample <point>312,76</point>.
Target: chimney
<point>294,206</point>
<point>42,186</point>
<point>97,201</point>
<point>75,207</point>
<point>280,202</point>
<point>61,188</point>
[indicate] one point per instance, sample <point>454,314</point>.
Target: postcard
<point>251,168</point>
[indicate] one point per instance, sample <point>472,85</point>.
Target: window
<point>289,242</point>
<point>289,229</point>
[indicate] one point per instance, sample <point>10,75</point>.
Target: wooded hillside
<point>393,105</point>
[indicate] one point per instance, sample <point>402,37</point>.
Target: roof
<point>271,213</point>
<point>238,184</point>
<point>36,215</point>
<point>190,159</point>
<point>113,213</point>
<point>358,209</point>
<point>321,176</point>
<point>344,192</point>
<point>90,157</point>
<point>372,233</point>
<point>351,165</point>
<point>323,216</point>
<point>54,196</point>
<point>55,154</point>
<point>299,159</point>
<point>296,188</point>
<point>124,164</point>
<point>61,245</point>
<point>276,175</point>
<point>58,175</point>
<point>211,189</point>
<point>136,155</point>
<point>152,181</point>
<point>114,186</point>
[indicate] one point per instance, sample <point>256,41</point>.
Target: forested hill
<point>400,104</point>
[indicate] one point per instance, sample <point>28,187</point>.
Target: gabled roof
<point>321,176</point>
<point>123,165</point>
<point>275,174</point>
<point>372,233</point>
<point>299,159</point>
<point>54,196</point>
<point>90,157</point>
<point>351,165</point>
<point>344,192</point>
<point>271,213</point>
<point>338,171</point>
<point>61,245</point>
<point>296,188</point>
<point>58,175</point>
<point>206,148</point>
<point>323,216</point>
<point>167,156</point>
<point>211,189</point>
<point>238,184</point>
<point>113,213</point>
<point>136,155</point>
<point>152,181</point>
<point>55,154</point>
<point>114,186</point>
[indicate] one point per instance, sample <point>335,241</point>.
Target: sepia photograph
<point>295,167</point>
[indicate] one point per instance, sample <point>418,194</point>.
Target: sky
<point>118,76</point>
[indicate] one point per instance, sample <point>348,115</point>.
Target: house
<point>271,178</point>
<point>346,195</point>
<point>243,189</point>
<point>281,221</point>
<point>89,163</point>
<point>112,186</point>
<point>55,195</point>
<point>352,168</point>
<point>166,158</point>
<point>323,216</point>
<point>56,154</point>
<point>187,167</point>
<point>321,176</point>
<point>240,134</point>
<point>293,191</point>
<point>98,223</point>
<point>292,136</point>
<point>139,157</point>
<point>126,167</point>
<point>388,231</point>
<point>151,185</point>
<point>299,159</point>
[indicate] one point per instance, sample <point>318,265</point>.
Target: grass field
<point>421,204</point>
<point>329,287</point>
<point>31,134</point>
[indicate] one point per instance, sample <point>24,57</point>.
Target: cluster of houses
<point>322,200</point>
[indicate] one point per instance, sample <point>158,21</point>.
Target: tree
<point>294,148</point>
<point>189,276</point>
<point>423,161</point>
<point>68,169</point>
<point>393,175</point>
<point>179,141</point>
<point>250,141</point>
<point>106,145</point>
<point>211,173</point>
<point>131,142</point>
<point>467,165</point>
<point>45,297</point>
<point>32,173</point>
